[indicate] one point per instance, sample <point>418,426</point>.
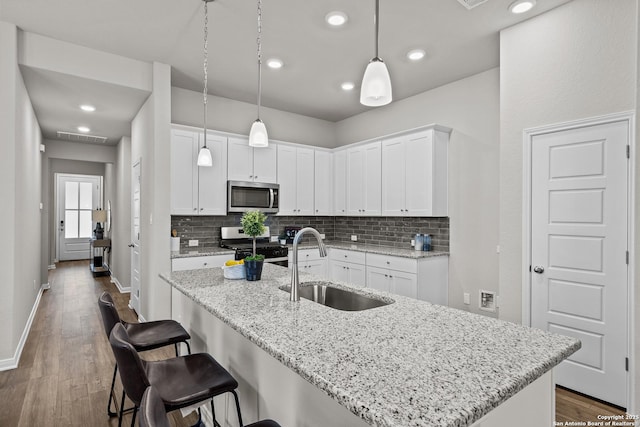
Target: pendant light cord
<point>259,42</point>
<point>205,66</point>
<point>376,21</point>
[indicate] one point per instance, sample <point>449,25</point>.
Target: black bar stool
<point>152,413</point>
<point>181,381</point>
<point>143,336</point>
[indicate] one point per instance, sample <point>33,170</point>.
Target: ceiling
<point>317,59</point>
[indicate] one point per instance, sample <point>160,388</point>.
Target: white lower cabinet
<point>396,282</point>
<point>310,261</point>
<point>348,272</point>
<point>198,262</point>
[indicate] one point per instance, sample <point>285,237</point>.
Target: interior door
<point>579,252</point>
<point>78,196</point>
<point>134,299</point>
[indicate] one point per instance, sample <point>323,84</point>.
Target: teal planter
<point>253,269</point>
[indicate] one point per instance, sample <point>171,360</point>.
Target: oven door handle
<point>284,258</point>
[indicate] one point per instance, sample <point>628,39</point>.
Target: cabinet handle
<point>388,262</point>
<point>201,209</point>
<point>195,209</point>
<point>250,176</point>
<point>204,263</point>
<point>256,177</point>
<point>386,275</point>
<point>316,210</point>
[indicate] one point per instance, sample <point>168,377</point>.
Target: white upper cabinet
<point>296,180</point>
<point>323,184</point>
<point>364,179</point>
<point>340,182</point>
<point>251,164</point>
<point>414,174</point>
<point>197,190</point>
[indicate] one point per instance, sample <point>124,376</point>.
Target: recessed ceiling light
<point>83,129</point>
<point>347,86</point>
<point>336,19</point>
<point>522,6</point>
<point>88,108</point>
<point>416,54</point>
<point>274,63</point>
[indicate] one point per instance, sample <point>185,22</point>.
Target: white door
<point>355,181</point>
<point>264,164</point>
<point>134,299</point>
<point>304,181</point>
<point>240,163</point>
<point>579,252</point>
<point>287,204</point>
<point>373,179</point>
<point>184,179</point>
<point>323,183</point>
<point>393,177</point>
<point>340,182</point>
<point>212,181</point>
<point>78,196</point>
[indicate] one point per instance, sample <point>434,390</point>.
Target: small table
<point>98,265</point>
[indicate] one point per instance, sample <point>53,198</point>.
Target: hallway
<point>65,370</point>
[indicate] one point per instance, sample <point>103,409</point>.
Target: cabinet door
<point>338,271</point>
<point>212,185</point>
<point>355,181</point>
<point>357,274</point>
<point>264,164</point>
<point>378,278</point>
<point>317,267</point>
<point>184,182</point>
<point>240,160</point>
<point>287,180</point>
<point>393,177</point>
<point>419,177</point>
<point>372,179</point>
<point>304,167</point>
<point>340,182</point>
<point>405,284</point>
<point>323,183</point>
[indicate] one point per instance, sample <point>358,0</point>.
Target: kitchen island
<point>409,363</point>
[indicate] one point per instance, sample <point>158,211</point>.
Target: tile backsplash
<point>384,231</point>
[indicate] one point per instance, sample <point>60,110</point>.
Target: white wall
<point>574,62</point>
<point>121,216</point>
<point>469,106</point>
<point>20,173</point>
<point>233,116</point>
<point>150,142</point>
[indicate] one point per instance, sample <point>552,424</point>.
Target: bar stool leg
<point>133,418</point>
<point>113,383</point>
<point>121,410</point>
<point>237,407</point>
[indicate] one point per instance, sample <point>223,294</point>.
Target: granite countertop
<point>194,252</point>
<point>410,363</point>
<point>374,249</point>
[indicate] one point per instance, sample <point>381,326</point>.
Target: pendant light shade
<point>258,136</point>
<point>204,157</point>
<point>376,84</point>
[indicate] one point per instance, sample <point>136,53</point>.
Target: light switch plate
<point>193,243</point>
<point>354,238</point>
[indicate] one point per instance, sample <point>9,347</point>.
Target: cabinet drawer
<point>195,263</point>
<point>407,265</point>
<point>309,255</point>
<point>347,256</point>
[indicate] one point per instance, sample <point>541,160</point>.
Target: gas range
<point>234,238</point>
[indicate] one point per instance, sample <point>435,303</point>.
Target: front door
<point>78,196</point>
<point>579,252</point>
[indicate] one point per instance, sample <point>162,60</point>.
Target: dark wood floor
<point>66,366</point>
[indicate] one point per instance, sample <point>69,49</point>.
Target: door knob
<point>538,269</point>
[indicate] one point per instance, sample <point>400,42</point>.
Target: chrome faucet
<point>294,268</point>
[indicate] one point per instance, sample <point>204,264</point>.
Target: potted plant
<point>252,223</point>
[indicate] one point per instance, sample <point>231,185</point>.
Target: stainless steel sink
<point>340,299</point>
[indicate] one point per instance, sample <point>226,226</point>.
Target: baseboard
<point>141,319</point>
<point>52,267</point>
<point>12,363</point>
<point>121,289</point>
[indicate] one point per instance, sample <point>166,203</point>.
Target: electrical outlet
<point>274,238</point>
<point>354,238</point>
<point>193,243</point>
<point>467,298</point>
<point>488,301</point>
<point>322,236</point>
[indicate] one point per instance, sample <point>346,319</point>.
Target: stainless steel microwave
<point>248,196</point>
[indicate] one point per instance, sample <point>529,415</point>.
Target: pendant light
<point>258,135</point>
<point>376,83</point>
<point>204,155</point>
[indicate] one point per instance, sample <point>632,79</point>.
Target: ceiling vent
<point>470,4</point>
<point>79,137</point>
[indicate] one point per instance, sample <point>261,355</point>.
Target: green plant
<point>254,258</point>
<point>252,223</point>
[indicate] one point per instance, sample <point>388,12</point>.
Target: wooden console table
<point>98,263</point>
